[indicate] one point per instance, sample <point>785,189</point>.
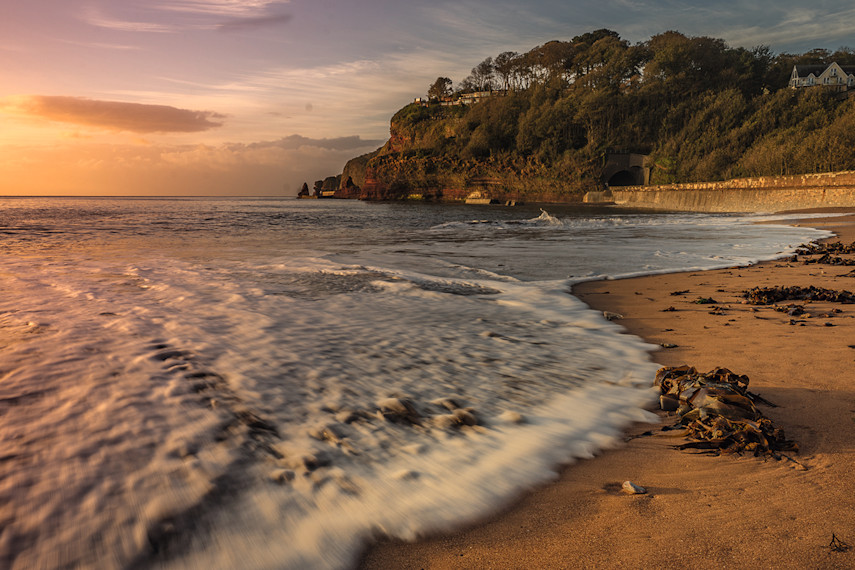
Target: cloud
<point>252,23</point>
<point>238,14</point>
<point>235,8</point>
<point>113,115</point>
<point>294,142</point>
<point>94,17</point>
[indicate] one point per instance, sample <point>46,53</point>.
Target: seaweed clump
<point>771,295</point>
<point>719,413</point>
<point>825,248</point>
<point>829,253</point>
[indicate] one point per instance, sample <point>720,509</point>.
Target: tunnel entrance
<point>625,169</point>
<point>623,178</point>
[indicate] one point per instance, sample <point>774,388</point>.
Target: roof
<point>805,70</point>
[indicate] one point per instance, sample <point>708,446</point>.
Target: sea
<point>271,383</point>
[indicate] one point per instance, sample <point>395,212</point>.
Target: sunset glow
<point>254,97</point>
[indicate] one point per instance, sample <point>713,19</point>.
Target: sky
<point>254,97</point>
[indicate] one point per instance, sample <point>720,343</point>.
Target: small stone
<point>632,488</point>
<point>346,416</point>
<point>393,405</point>
<point>406,475</point>
<point>609,316</point>
<point>398,410</point>
<point>465,417</point>
<point>447,403</point>
<point>332,433</point>
<point>444,421</point>
<point>309,461</point>
<point>282,476</point>
<point>668,345</point>
<point>512,417</point>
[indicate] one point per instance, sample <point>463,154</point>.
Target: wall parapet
<point>760,194</point>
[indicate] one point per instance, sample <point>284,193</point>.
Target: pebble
<point>609,316</point>
<point>511,417</point>
<point>397,410</point>
<point>465,417</point>
<point>445,421</point>
<point>632,488</point>
<point>393,405</point>
<point>346,416</point>
<point>447,403</point>
<point>282,476</point>
<point>331,433</point>
<point>406,475</point>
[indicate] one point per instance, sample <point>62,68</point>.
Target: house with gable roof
<point>835,76</point>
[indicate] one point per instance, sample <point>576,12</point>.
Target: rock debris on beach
<point>719,413</point>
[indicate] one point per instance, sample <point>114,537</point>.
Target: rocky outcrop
<point>395,177</point>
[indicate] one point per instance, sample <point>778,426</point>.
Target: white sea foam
<point>219,402</point>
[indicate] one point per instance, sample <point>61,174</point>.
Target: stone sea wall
<point>762,194</point>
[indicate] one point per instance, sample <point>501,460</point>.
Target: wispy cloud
<point>798,25</point>
<point>101,45</point>
<point>251,23</point>
<point>94,17</point>
<point>233,15</point>
<point>237,8</point>
<point>294,142</point>
<point>112,115</point>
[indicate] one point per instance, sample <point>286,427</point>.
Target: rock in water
<point>632,488</point>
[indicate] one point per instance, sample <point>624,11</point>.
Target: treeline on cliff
<point>702,110</point>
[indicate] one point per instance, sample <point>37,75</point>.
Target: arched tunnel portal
<point>625,169</point>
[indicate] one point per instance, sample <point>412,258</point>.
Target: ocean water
<point>270,383</point>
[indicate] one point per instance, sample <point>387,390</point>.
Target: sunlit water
<point>213,383</point>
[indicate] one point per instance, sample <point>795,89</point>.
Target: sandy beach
<point>727,510</point>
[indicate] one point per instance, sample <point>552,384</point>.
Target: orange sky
<point>254,97</point>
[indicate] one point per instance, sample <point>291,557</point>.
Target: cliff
<point>430,156</point>
<point>699,109</point>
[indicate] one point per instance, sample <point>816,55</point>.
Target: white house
<point>841,78</point>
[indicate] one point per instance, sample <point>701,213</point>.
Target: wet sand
<point>731,511</point>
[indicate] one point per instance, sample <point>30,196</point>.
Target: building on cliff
<point>838,77</point>
<point>462,98</point>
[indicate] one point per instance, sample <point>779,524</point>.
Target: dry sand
<point>723,511</point>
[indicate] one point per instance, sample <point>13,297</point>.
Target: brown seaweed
<point>771,295</point>
<point>822,248</point>
<point>719,413</point>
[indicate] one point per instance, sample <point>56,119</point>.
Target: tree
<point>482,74</point>
<point>440,88</point>
<point>504,66</point>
